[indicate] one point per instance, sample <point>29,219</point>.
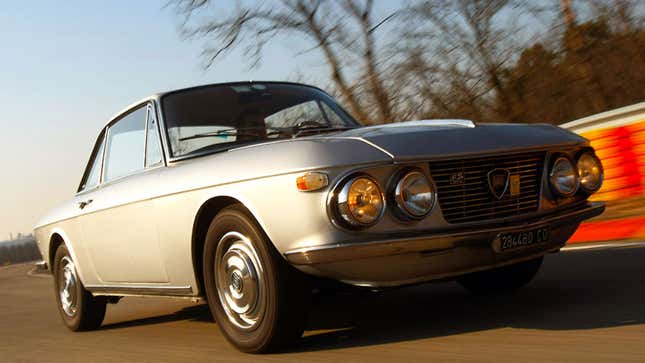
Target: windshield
<point>220,116</point>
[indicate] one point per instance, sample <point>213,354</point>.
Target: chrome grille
<point>469,199</point>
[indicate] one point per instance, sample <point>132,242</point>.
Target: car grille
<point>464,194</point>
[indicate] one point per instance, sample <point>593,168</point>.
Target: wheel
<point>78,308</point>
<point>258,299</point>
<point>502,279</point>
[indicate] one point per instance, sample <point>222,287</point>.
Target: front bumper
<point>399,261</point>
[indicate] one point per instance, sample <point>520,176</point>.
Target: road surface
<point>585,306</point>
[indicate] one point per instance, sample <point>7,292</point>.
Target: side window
<point>153,150</point>
<point>93,176</point>
<point>125,145</point>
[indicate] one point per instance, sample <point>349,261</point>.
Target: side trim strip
<point>140,290</point>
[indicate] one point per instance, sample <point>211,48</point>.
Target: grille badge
<point>457,178</point>
<point>498,182</point>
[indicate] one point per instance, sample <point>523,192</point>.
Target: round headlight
<point>590,172</point>
<point>360,202</point>
<point>414,194</point>
<point>564,177</point>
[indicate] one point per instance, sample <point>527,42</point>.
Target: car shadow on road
<point>573,291</point>
<point>198,313</point>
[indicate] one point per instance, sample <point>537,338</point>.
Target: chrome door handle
<point>84,203</point>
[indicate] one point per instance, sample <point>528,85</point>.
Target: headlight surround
<point>564,177</point>
<point>590,172</point>
<point>414,194</point>
<point>360,202</point>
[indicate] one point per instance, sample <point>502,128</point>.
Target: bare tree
<point>567,11</point>
<point>474,50</point>
<point>342,30</point>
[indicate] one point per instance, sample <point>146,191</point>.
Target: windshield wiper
<point>236,132</point>
<point>306,127</point>
<point>303,127</point>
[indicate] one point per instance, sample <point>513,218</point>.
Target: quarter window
<point>153,150</point>
<point>125,145</point>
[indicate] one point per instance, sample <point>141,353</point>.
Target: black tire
<point>501,280</point>
<point>281,307</point>
<point>89,310</point>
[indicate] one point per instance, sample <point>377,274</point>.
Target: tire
<point>502,279</point>
<point>78,308</point>
<point>258,299</point>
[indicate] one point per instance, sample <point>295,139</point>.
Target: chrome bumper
<point>449,253</point>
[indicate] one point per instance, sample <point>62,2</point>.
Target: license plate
<point>516,240</point>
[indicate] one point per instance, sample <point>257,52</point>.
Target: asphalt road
<point>584,306</point>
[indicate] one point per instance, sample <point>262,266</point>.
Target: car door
<point>119,223</point>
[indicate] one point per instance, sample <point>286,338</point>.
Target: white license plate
<point>515,240</point>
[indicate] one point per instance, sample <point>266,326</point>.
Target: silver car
<point>249,195</point>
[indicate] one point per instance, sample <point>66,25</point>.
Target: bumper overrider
<point>406,260</point>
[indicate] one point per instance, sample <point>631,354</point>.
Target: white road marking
<point>603,245</point>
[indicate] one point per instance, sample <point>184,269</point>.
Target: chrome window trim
<point>102,137</point>
<point>145,136</point>
<point>161,123</point>
<point>105,138</point>
<point>151,113</point>
<point>155,111</point>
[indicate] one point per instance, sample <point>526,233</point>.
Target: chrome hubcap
<point>67,282</point>
<point>240,280</point>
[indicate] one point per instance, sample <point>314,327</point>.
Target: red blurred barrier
<point>618,229</point>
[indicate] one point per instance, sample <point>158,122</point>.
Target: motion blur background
<point>576,63</point>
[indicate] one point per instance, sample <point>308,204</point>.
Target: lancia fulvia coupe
<point>247,194</point>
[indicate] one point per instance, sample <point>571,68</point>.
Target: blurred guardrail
<point>619,139</point>
<point>22,250</point>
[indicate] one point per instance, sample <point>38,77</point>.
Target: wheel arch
<point>54,242</point>
<point>207,211</point>
<point>58,237</point>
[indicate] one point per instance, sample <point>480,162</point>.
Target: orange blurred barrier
<point>619,139</point>
<point>622,151</point>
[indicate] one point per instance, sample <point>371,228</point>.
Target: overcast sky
<point>68,66</point>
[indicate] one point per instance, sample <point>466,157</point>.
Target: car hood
<point>431,139</point>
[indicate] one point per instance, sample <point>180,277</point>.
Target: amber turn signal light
<point>312,181</point>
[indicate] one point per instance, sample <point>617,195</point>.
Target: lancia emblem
<point>457,178</point>
<point>498,182</point>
